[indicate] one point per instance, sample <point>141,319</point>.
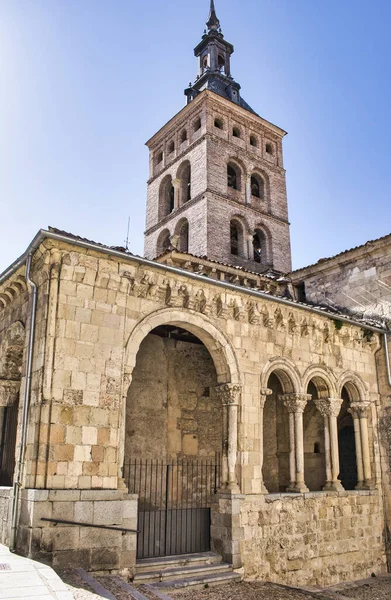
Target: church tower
<point>217,183</point>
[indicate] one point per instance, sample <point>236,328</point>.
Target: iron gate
<point>8,443</point>
<point>174,504</point>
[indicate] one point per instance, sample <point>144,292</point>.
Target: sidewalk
<point>27,579</point>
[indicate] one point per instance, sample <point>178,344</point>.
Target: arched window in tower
<point>184,175</point>
<point>205,62</point>
<point>163,242</point>
<point>253,141</point>
<point>234,239</point>
<point>197,124</point>
<point>257,186</point>
<point>166,197</point>
<point>237,238</point>
<point>221,63</point>
<point>259,247</point>
<point>219,123</point>
<point>233,176</point>
<point>183,233</point>
<point>236,132</point>
<point>171,147</point>
<point>183,136</point>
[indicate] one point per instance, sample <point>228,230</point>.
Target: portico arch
<point>215,341</point>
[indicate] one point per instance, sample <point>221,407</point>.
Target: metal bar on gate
<point>167,496</point>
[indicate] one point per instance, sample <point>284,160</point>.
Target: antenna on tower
<point>127,236</point>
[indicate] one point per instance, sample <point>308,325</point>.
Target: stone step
<point>197,582</point>
<point>182,572</point>
<point>167,562</point>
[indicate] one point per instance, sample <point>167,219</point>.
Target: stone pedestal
<point>226,531</point>
<point>72,545</point>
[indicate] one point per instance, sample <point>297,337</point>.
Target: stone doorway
<point>174,423</point>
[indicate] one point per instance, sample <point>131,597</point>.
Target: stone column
<point>230,396</point>
<point>295,404</point>
<point>330,409</point>
<point>359,412</point>
<point>176,184</point>
<point>248,189</point>
<point>264,394</point>
<point>250,246</point>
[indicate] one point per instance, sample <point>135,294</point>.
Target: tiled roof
<point>323,260</point>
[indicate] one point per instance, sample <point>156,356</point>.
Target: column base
<point>366,485</point>
<point>298,488</point>
<point>333,486</point>
<point>233,488</point>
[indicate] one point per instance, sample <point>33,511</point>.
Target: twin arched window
<point>167,193</point>
<point>238,246</point>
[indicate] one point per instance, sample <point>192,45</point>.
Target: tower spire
<point>212,23</point>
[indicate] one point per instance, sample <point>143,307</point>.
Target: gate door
<point>174,504</point>
<point>7,444</point>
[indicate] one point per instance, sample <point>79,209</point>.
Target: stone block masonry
<point>312,539</point>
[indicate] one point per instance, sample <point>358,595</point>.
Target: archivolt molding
<point>11,289</point>
<point>215,341</point>
<point>287,373</point>
<point>327,377</point>
<point>357,389</point>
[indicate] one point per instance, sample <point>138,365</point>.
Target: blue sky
<point>84,83</point>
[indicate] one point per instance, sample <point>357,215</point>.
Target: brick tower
<point>217,183</point>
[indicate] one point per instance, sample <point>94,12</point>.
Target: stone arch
<point>238,235</point>
<point>218,346</point>
<point>236,173</point>
<point>280,377</point>
<point>286,372</point>
<point>182,233</point>
<point>184,177</point>
<point>354,385</point>
<point>263,238</point>
<point>214,340</point>
<point>166,197</point>
<point>323,380</point>
<point>163,242</point>
<point>352,390</point>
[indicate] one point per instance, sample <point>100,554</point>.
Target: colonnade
<point>295,404</point>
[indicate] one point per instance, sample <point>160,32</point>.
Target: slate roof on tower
<point>214,70</point>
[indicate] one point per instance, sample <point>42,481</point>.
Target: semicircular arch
<point>286,372</point>
<point>323,379</point>
<point>215,341</point>
<point>354,385</point>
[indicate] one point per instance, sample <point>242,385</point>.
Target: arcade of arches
<point>311,441</point>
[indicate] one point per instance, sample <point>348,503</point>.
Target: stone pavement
<point>27,579</point>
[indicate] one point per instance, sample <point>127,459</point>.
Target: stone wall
<point>67,545</point>
<point>359,279</point>
<point>312,539</point>
<point>171,407</point>
<point>5,514</point>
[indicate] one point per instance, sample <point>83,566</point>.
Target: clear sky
<point>84,83</point>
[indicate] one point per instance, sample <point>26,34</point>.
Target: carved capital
<point>295,403</point>
<point>265,392</point>
<point>229,393</point>
<point>359,410</point>
<point>329,407</point>
<point>9,392</point>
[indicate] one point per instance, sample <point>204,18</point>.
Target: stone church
<point>204,397</point>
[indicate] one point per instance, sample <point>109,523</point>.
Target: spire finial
<point>213,23</point>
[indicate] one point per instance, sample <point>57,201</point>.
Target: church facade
<point>203,397</point>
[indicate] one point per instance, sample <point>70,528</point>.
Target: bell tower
<point>217,182</point>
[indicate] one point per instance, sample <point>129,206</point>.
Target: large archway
<point>172,410</point>
<point>173,428</point>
